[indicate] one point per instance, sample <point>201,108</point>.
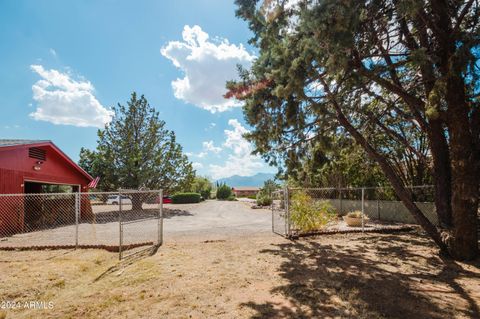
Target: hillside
<point>255,180</point>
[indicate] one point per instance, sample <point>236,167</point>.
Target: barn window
<point>37,153</point>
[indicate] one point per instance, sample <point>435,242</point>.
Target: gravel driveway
<point>216,219</point>
<point>209,220</point>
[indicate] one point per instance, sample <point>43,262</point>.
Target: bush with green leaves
<point>201,185</point>
<point>224,192</point>
<point>232,198</point>
<point>264,196</point>
<point>264,200</point>
<point>307,214</point>
<point>186,198</point>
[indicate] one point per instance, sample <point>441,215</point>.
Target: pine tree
<point>136,151</point>
<point>384,73</point>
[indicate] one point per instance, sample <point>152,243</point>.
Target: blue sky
<point>66,63</point>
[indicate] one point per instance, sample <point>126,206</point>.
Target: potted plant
<point>354,219</point>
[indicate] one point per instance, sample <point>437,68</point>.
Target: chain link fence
<point>279,213</point>
<point>378,206</point>
<point>124,221</point>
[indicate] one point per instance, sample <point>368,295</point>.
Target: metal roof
<point>14,142</point>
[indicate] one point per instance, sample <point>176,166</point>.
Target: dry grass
<point>338,276</point>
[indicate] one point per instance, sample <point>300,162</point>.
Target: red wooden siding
<point>16,167</point>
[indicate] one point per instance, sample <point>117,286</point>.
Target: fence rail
<point>375,203</point>
<point>124,221</point>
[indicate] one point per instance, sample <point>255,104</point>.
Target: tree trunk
<point>441,173</point>
<point>464,173</point>
<point>137,201</point>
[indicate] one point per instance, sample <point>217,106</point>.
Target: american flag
<point>94,183</point>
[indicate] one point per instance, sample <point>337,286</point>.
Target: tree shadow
<point>169,213</point>
<point>372,276</point>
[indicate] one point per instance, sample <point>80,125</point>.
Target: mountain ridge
<point>256,180</point>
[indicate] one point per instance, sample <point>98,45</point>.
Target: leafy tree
<point>136,151</point>
<point>386,74</point>
<point>269,186</point>
<point>224,191</point>
<point>345,164</point>
<point>337,162</point>
<point>264,196</point>
<point>201,185</point>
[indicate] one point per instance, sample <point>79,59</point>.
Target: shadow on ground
<point>169,213</point>
<point>373,276</point>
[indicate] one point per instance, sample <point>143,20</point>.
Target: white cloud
<point>207,147</point>
<point>240,161</point>
<point>207,66</point>
<point>62,100</point>
<point>210,147</point>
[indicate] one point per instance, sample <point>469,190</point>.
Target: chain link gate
<point>280,213</point>
<point>144,231</point>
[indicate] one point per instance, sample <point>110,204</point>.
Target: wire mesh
<point>116,221</point>
<point>37,219</point>
<point>301,213</point>
<point>139,221</point>
<point>279,214</point>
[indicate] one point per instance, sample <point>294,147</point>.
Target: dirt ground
<point>255,276</point>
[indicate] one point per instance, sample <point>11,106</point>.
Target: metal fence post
<point>341,202</point>
<point>287,211</point>
<point>77,214</point>
<point>378,209</point>
<point>272,209</point>
<point>160,219</point>
<point>120,226</point>
<point>363,208</point>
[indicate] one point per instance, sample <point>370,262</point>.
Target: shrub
<point>264,200</point>
<point>232,198</point>
<point>185,198</point>
<point>308,215</point>
<point>224,192</point>
<point>205,193</point>
<point>264,196</point>
<point>201,185</point>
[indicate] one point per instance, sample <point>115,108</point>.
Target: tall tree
<point>136,151</point>
<point>375,70</point>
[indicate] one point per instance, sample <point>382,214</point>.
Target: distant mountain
<point>255,180</point>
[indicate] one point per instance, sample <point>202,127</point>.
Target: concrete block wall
<point>393,211</point>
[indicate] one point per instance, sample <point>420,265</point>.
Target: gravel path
<point>209,220</point>
<point>216,219</point>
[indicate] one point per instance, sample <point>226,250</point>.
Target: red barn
<point>30,166</point>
